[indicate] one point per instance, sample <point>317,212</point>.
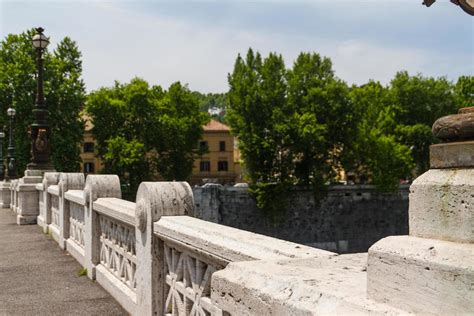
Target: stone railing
<point>152,256</point>
<point>155,258</point>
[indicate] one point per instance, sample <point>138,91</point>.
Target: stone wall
<point>350,219</point>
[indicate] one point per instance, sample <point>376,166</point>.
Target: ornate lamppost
<point>40,129</point>
<point>2,170</point>
<point>11,166</point>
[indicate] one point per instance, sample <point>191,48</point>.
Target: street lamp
<point>40,129</point>
<point>11,168</point>
<point>2,171</point>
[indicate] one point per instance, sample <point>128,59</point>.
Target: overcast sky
<point>196,42</point>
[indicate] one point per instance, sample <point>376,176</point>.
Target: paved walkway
<point>38,278</point>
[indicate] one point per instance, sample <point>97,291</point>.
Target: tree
<point>143,131</point>
<point>180,124</point>
<point>374,153</point>
<point>64,93</point>
<point>464,91</point>
<point>292,125</point>
<point>417,103</point>
<point>323,119</point>
<point>257,101</point>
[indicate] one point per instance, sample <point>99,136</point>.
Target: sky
<point>197,42</point>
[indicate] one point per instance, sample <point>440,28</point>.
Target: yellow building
<point>219,165</point>
<point>90,162</point>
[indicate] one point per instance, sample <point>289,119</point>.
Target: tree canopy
<point>142,130</point>
<point>292,125</point>
<point>64,94</point>
<point>302,125</point>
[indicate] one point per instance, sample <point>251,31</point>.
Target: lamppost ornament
<point>40,129</point>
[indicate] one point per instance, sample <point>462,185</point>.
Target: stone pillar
<point>431,271</point>
<point>97,186</point>
<point>28,197</point>
<point>5,194</point>
<point>13,195</point>
<point>155,199</point>
<point>67,181</point>
<point>44,217</point>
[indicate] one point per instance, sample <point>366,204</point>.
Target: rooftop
<point>215,126</point>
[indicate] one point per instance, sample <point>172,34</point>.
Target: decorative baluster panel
<point>187,284</point>
<point>76,223</point>
<point>117,250</point>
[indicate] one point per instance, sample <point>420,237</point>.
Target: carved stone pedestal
<point>28,197</point>
<point>432,270</point>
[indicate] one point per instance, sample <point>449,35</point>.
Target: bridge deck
<point>38,278</point>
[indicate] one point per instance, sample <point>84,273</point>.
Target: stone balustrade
<point>155,258</point>
<point>152,255</point>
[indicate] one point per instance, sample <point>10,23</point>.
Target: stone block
<point>452,155</point>
<point>442,205</point>
<point>5,194</point>
<point>311,286</point>
<point>422,276</point>
<point>28,204</point>
<point>32,179</point>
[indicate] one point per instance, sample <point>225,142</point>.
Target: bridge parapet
<point>155,258</point>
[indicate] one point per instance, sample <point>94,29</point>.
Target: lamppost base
<point>28,196</point>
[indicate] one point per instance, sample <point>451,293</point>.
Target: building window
<point>89,167</point>
<point>205,166</point>
<point>88,147</point>
<point>222,145</point>
<point>203,145</point>
<point>222,166</point>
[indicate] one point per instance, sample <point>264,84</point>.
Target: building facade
<point>220,164</point>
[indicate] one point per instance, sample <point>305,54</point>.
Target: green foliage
<point>292,125</point>
<point>142,131</point>
<point>64,93</point>
<point>464,91</point>
<point>82,272</point>
<point>212,100</point>
<point>418,102</point>
<point>374,152</point>
<point>301,126</point>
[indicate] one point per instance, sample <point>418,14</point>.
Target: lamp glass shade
<point>2,135</point>
<point>40,41</point>
<point>11,112</point>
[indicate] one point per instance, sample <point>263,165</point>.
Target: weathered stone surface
<point>27,204</point>
<point>452,155</point>
<point>456,127</point>
<point>67,181</point>
<point>442,205</point>
<point>350,219</point>
<point>96,186</point>
<point>311,286</point>
<point>5,194</point>
<point>423,276</point>
<point>154,200</point>
<point>230,244</point>
<point>44,217</point>
<point>467,109</point>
